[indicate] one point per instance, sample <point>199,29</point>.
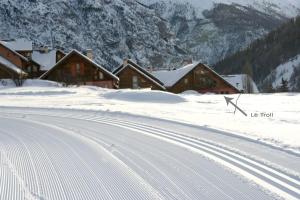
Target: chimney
<point>187,61</point>
<point>150,69</point>
<point>89,54</point>
<point>125,62</point>
<point>44,49</point>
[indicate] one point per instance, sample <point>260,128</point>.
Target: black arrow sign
<point>229,101</point>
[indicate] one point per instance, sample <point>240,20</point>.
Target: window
<point>95,75</point>
<point>186,81</point>
<point>135,83</point>
<point>29,69</point>
<point>78,68</point>
<point>205,82</point>
<point>101,76</point>
<point>34,69</point>
<point>200,72</point>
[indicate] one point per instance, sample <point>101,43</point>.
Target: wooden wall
<point>7,74</point>
<point>126,80</point>
<point>203,81</point>
<point>11,56</point>
<point>88,74</point>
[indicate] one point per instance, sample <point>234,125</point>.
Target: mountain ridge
<point>134,29</point>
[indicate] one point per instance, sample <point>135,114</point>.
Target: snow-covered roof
<point>19,44</point>
<point>6,63</point>
<point>169,78</point>
<point>83,56</point>
<point>239,81</point>
<point>13,51</point>
<point>46,60</point>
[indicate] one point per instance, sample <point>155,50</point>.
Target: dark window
<point>78,68</point>
<point>204,82</point>
<point>101,76</point>
<point>135,82</point>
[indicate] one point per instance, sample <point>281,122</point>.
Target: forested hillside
<point>262,58</point>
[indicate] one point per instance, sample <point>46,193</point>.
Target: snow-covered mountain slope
<point>157,33</point>
<point>287,71</point>
<point>288,8</point>
<point>213,30</point>
<point>113,29</point>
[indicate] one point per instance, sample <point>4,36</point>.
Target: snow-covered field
<point>95,143</point>
<point>282,129</point>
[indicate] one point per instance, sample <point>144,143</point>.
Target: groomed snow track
<point>79,155</point>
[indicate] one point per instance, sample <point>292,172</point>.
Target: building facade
<point>133,76</point>
<point>197,77</point>
<point>77,69</point>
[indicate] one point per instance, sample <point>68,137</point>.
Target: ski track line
<point>249,161</point>
<point>162,153</point>
<point>211,153</point>
<point>186,141</point>
<point>93,144</point>
<point>279,187</point>
<point>53,177</point>
<point>146,161</point>
<point>28,194</point>
<point>23,171</point>
<point>193,197</point>
<point>79,159</point>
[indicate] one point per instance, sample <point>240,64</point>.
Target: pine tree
<point>248,71</point>
<point>284,86</point>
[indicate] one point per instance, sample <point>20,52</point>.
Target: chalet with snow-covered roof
<point>19,53</point>
<point>197,77</point>
<point>12,64</point>
<point>76,68</point>
<point>22,46</point>
<point>133,76</point>
<point>242,82</point>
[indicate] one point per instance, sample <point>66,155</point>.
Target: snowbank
<point>8,83</point>
<point>144,96</point>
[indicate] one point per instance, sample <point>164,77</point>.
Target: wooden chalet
<point>19,53</point>
<point>197,77</point>
<point>78,69</point>
<point>133,76</point>
<point>12,64</point>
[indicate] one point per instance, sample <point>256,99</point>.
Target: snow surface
<point>10,65</point>
<point>46,60</point>
<point>202,110</point>
<point>19,44</point>
<point>8,83</point>
<point>238,81</point>
<point>80,155</point>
